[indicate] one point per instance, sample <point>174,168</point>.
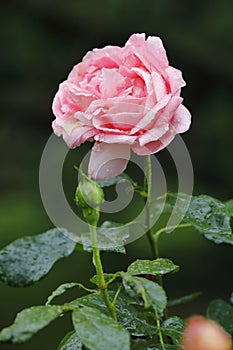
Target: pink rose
<point>122,98</point>
<point>203,334</point>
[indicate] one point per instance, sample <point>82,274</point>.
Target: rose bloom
<point>123,98</point>
<point>203,334</point>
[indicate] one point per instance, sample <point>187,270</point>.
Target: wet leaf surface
<point>138,323</point>
<point>173,327</point>
<point>221,312</point>
<point>208,215</point>
<point>29,322</point>
<point>151,293</point>
<point>70,342</point>
<point>28,259</point>
<point>152,267</point>
<point>98,331</point>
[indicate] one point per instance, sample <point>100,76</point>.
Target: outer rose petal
<point>155,45</point>
<point>181,120</point>
<point>175,79</point>
<point>171,107</point>
<point>108,160</point>
<point>150,51</point>
<point>73,135</point>
<point>154,146</point>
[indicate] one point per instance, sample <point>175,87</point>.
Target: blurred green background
<point>40,42</point>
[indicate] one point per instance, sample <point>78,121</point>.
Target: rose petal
<point>111,83</point>
<point>159,128</point>
<point>170,109</point>
<point>150,93</point>
<point>136,40</point>
<point>108,56</point>
<point>108,160</point>
<point>81,98</point>
<point>64,105</point>
<point>113,138</point>
<point>154,146</point>
<point>175,79</point>
<point>151,115</point>
<point>117,122</point>
<point>73,134</point>
<point>181,120</point>
<point>117,117</point>
<point>159,85</point>
<point>155,45</point>
<point>150,52</point>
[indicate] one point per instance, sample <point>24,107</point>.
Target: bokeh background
<point>40,41</point>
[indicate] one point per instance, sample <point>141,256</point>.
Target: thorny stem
<point>100,274</point>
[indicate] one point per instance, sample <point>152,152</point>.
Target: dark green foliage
<point>151,293</point>
<point>98,331</point>
<point>28,259</point>
<point>138,323</point>
<point>221,312</point>
<point>70,342</point>
<point>156,267</point>
<point>29,322</point>
<point>208,215</point>
<point>173,327</point>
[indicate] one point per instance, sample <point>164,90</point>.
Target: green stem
<point>157,234</point>
<point>160,334</point>
<point>147,188</point>
<point>100,274</point>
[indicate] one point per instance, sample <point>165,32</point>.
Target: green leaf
<point>60,290</point>
<point>152,267</point>
<point>152,294</point>
<point>98,331</point>
<point>137,323</point>
<point>208,215</point>
<point>29,322</point>
<point>173,327</point>
<point>107,277</point>
<point>221,312</point>
<point>70,342</point>
<point>92,300</point>
<point>114,180</point>
<point>28,259</point>
<point>185,299</point>
<point>111,237</point>
<point>229,206</point>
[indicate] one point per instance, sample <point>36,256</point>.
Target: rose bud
<point>203,334</point>
<point>88,194</point>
